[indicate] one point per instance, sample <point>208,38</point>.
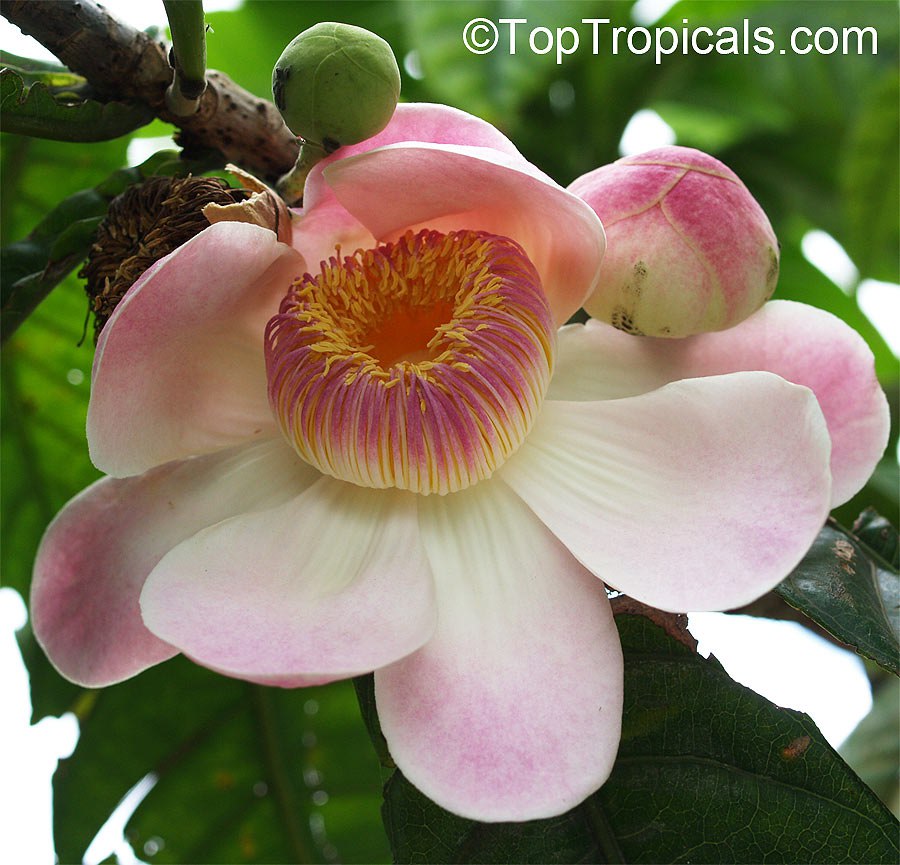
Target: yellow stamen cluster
<point>419,364</point>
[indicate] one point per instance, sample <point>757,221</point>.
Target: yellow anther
<point>358,347</point>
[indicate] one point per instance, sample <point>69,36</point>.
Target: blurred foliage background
<point>814,137</point>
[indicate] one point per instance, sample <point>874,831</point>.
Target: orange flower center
<point>419,364</point>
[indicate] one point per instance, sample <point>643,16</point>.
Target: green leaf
<point>55,76</point>
<point>34,266</point>
<point>495,85</point>
<point>712,129</point>
<point>879,535</point>
<point>870,180</point>
<point>365,695</point>
<point>794,114</point>
<point>873,748</point>
<point>38,173</point>
<point>35,111</point>
<point>707,771</point>
<point>245,773</point>
<point>30,64</point>
<point>850,590</point>
<point>565,117</point>
<point>420,831</point>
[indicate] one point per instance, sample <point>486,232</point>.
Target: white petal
<point>96,554</point>
<point>512,711</point>
<point>701,495</point>
<point>449,187</point>
<point>594,361</point>
<point>802,344</point>
<point>330,584</point>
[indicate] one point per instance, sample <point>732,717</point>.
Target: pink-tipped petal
<point>318,232</point>
<point>801,343</point>
<point>96,554</point>
<point>179,368</point>
<point>811,347</point>
<point>423,121</point>
<point>512,710</point>
<point>701,495</point>
<point>451,187</point>
<point>328,585</point>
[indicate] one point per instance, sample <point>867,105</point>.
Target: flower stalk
<point>290,186</point>
<point>188,56</point>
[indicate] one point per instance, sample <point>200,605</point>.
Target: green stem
<point>290,186</point>
<point>188,28</point>
<point>299,840</point>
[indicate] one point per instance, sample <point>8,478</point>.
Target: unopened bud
<point>688,250</point>
<point>336,84</point>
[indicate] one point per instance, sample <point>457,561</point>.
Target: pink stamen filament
<point>420,364</point>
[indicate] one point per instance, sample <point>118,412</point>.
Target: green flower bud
<point>336,84</point>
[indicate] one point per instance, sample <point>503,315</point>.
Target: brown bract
<point>264,207</point>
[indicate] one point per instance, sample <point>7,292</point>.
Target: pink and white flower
<point>386,458</point>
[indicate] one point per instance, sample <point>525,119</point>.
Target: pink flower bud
<point>688,247</point>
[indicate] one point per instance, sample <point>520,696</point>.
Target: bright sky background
<point>761,654</point>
